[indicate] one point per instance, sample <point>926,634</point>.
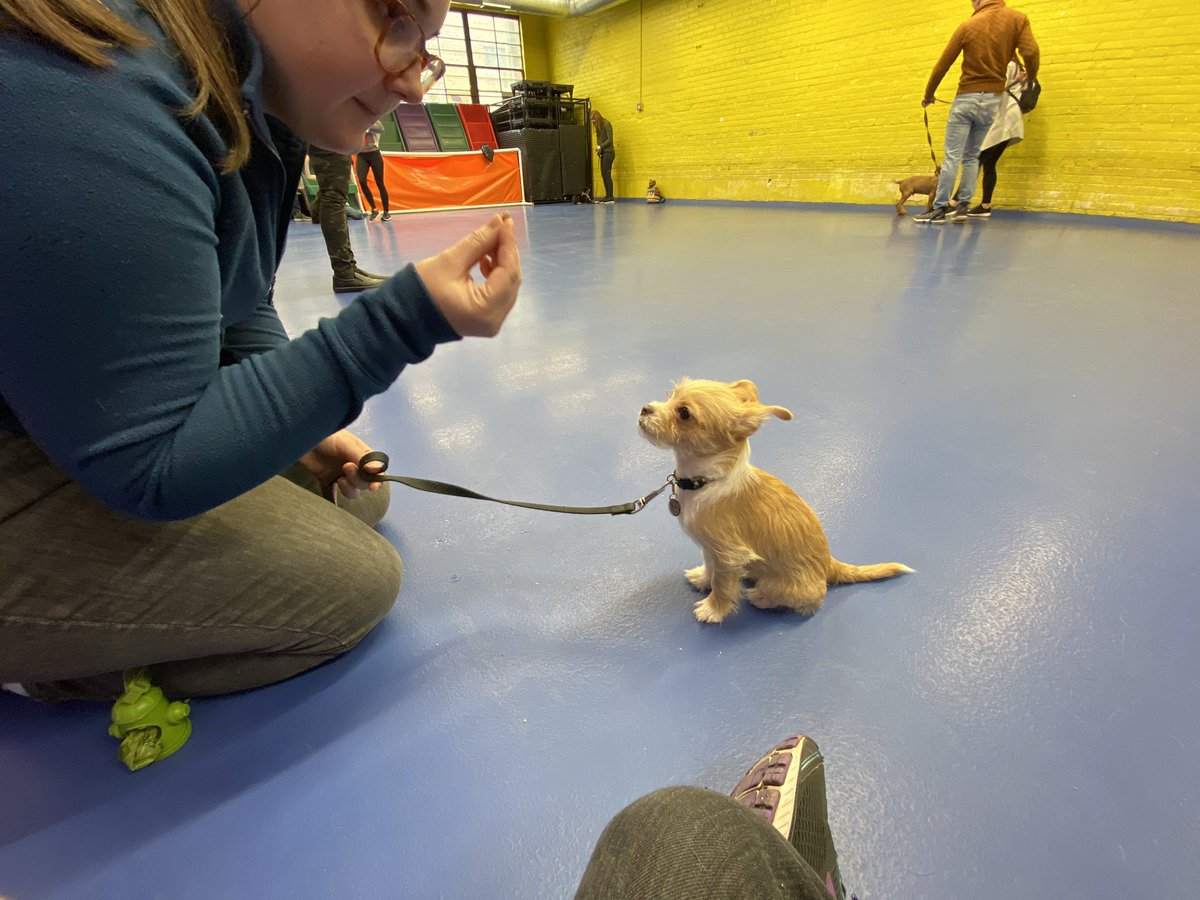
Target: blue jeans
<point>971,116</point>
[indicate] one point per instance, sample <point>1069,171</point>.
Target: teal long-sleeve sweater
<point>139,343</point>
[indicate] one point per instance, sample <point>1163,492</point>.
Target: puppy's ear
<point>752,415</point>
<point>744,390</point>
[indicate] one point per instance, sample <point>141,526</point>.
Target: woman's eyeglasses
<point>402,43</point>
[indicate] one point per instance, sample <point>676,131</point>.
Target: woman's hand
<point>476,310</point>
<point>335,461</point>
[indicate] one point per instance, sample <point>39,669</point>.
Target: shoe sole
<point>772,797</point>
<point>355,289</point>
<point>979,215</point>
<point>775,798</point>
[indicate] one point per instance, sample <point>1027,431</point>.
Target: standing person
<point>149,396</point>
<point>1007,129</point>
<point>606,152</point>
<point>987,41</point>
<point>332,171</point>
<point>370,160</point>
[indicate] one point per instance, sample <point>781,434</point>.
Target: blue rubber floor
<point>1011,407</point>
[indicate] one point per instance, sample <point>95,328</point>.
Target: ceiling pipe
<point>563,9</point>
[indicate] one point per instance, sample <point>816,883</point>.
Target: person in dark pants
<point>333,190</point>
<point>1007,129</point>
<point>370,161</point>
<point>606,152</point>
<point>769,839</point>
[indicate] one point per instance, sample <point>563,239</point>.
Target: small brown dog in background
<point>748,523</point>
<point>918,184</point>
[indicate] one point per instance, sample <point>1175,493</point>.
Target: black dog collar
<point>694,484</point>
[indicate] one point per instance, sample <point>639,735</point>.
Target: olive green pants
<point>333,193</point>
<point>261,588</point>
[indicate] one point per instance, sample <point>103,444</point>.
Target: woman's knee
<point>359,587</point>
<point>342,575</point>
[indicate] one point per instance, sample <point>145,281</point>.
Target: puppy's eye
<point>685,413</point>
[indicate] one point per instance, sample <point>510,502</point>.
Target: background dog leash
<point>379,462</point>
<point>928,136</point>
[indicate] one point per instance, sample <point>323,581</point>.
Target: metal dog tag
<point>673,506</point>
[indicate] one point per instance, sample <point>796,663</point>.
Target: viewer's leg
<point>684,843</point>
<point>770,840</point>
<point>261,588</point>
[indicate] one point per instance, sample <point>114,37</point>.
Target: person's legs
<point>988,159</point>
<point>958,129</point>
<point>682,843</point>
<point>375,159</point>
<point>257,590</point>
<point>981,110</point>
<point>362,166</point>
<point>606,164</point>
<point>333,188</point>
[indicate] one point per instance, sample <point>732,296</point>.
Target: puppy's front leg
<point>726,585</point>
<point>699,576</point>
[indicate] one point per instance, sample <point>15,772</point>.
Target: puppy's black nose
<point>646,410</point>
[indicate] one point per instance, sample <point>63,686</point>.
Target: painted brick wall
<point>535,48</point>
<point>820,100</point>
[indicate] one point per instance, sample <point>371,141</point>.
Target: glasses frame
<point>433,67</point>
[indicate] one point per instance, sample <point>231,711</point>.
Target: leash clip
<point>638,505</point>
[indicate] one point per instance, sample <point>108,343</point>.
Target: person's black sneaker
<point>980,212</point>
<point>935,216</point>
<point>787,788</point>
<point>606,200</point>
<point>958,214</point>
<point>374,214</point>
<point>387,214</point>
<point>356,282</point>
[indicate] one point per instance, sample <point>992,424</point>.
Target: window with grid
<point>483,58</point>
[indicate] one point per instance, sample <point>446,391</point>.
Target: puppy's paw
<point>698,578</point>
<point>706,611</point>
<point>758,597</point>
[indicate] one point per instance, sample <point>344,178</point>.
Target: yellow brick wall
<point>534,47</point>
<point>819,101</point>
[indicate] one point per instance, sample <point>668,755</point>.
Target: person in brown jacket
<point>987,41</point>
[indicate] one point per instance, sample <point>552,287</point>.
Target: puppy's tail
<point>842,573</point>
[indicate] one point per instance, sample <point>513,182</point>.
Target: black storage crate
<point>541,161</point>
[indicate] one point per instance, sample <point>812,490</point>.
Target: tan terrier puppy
<point>748,523</point>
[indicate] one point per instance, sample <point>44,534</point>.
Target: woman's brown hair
<point>88,31</point>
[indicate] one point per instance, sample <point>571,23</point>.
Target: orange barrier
<point>429,181</point>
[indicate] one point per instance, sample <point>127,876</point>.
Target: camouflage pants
<point>333,188</point>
